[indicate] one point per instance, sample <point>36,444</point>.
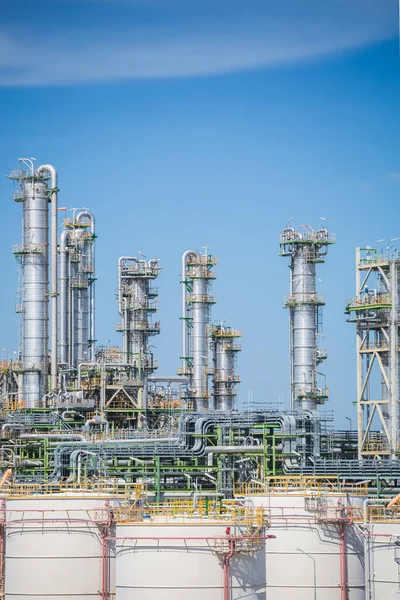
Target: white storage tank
<point>183,560</point>
<point>303,562</point>
<point>382,554</point>
<point>53,548</point>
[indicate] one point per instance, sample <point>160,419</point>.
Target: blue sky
<point>191,123</point>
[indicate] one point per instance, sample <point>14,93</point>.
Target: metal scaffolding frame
<point>375,311</point>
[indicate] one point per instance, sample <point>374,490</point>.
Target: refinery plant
<point>119,483</point>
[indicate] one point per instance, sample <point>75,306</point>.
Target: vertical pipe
<point>89,300</point>
<point>227,575</point>
<point>104,565</point>
<point>53,290</point>
<point>64,302</point>
<point>2,544</point>
<point>343,565</point>
<point>393,361</point>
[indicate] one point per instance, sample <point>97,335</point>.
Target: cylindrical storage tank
<point>183,560</point>
<point>304,561</point>
<point>54,548</point>
<point>382,549</point>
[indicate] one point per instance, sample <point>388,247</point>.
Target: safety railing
<point>225,332</point>
<point>370,301</point>
<point>374,258</point>
<point>86,269</point>
<point>170,403</point>
<point>382,514</point>
<point>338,514</point>
<point>130,303</point>
<point>69,223</point>
<point>202,298</point>
<point>316,393</point>
<point>79,284</point>
<point>139,326</point>
<point>300,485</point>
<point>180,512</point>
<point>88,486</point>
<point>29,248</point>
<point>200,272</point>
<point>376,447</point>
<point>12,405</point>
<point>317,237</point>
<point>139,270</point>
<point>298,299</point>
<point>203,260</point>
<point>226,378</point>
<point>369,345</point>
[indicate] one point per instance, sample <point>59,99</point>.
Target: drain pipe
<point>105,575</point>
<point>227,574</point>
<point>53,290</point>
<point>343,565</point>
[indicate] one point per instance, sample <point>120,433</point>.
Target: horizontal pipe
<point>234,450</point>
<point>53,436</point>
<point>170,379</point>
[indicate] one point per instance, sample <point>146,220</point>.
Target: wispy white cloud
<point>393,176</point>
<point>189,48</point>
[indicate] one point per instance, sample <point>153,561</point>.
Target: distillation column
<point>196,279</point>
<point>224,376</point>
<point>137,300</point>
<point>305,249</point>
<point>33,255</point>
<point>77,290</point>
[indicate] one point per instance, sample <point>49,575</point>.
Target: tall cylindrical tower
<point>137,300</point>
<point>76,289</point>
<point>197,276</point>
<point>305,249</point>
<point>224,376</point>
<point>33,254</point>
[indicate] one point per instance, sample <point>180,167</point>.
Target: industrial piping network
<point>103,413</point>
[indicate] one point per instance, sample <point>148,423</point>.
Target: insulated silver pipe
<point>63,298</point>
<point>90,245</point>
<point>53,289</point>
<point>73,314</point>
